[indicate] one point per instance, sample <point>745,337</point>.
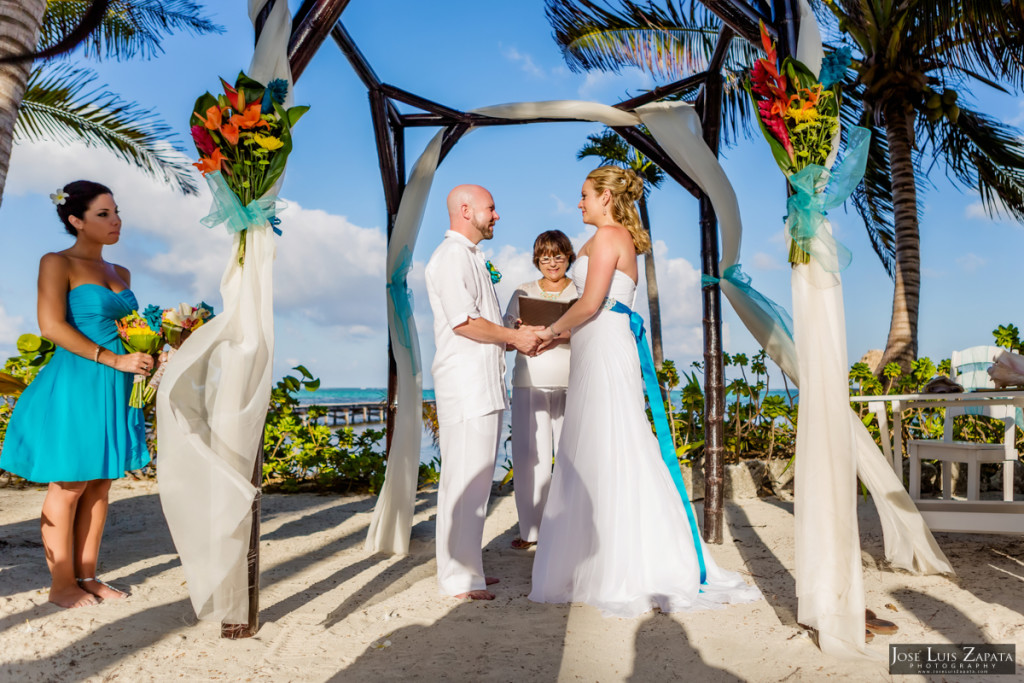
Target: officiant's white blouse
<point>469,376</point>
<point>551,368</point>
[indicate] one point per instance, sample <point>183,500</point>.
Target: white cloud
<point>970,263</point>
<point>601,85</point>
<point>1000,214</point>
<point>763,261</point>
<point>524,60</point>
<point>11,327</point>
<point>326,268</point>
<point>560,206</point>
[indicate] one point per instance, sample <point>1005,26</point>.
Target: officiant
<point>539,381</point>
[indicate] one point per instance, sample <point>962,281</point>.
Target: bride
<point>617,533</point>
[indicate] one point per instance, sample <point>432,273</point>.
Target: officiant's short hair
<point>551,243</point>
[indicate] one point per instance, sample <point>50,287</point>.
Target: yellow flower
<point>802,115</point>
<point>268,142</point>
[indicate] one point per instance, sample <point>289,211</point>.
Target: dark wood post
<point>714,375</point>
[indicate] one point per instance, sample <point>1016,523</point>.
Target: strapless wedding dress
<point>615,534</point>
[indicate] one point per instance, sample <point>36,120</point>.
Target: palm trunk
<point>901,347</point>
<point>19,32</point>
<point>652,290</point>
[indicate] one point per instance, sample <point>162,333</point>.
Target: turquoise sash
<point>401,299</point>
<point>668,452</point>
<point>230,213</point>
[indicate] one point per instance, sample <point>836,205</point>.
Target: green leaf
<point>295,113</point>
<point>29,343</point>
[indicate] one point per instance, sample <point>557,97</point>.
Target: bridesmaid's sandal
<point>110,593</point>
<point>520,544</point>
<point>882,627</point>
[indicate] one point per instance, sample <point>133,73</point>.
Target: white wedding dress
<point>615,534</point>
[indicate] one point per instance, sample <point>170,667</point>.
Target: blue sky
<point>329,274</point>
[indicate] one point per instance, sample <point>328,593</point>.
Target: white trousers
<point>469,450</point>
<point>536,427</point>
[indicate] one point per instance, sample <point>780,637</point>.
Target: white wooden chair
<point>968,368</point>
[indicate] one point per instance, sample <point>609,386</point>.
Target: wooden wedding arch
<point>315,20</point>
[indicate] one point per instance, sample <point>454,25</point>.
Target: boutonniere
<point>495,275</point>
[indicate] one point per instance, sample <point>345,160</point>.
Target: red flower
<point>775,125</point>
<point>236,98</point>
<point>204,142</point>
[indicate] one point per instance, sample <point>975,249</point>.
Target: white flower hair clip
<point>59,197</point>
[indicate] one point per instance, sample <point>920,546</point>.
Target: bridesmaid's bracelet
<point>96,354</point>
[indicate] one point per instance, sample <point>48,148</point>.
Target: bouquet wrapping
<point>176,324</point>
<point>139,337</point>
<point>244,138</point>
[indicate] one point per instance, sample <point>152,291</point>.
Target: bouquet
<point>244,138</point>
<point>176,324</point>
<point>139,337</point>
<point>799,116</point>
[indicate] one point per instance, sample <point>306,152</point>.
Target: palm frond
<point>668,41</point>
<point>130,28</point>
<point>609,148</point>
<point>984,154</point>
<point>61,104</point>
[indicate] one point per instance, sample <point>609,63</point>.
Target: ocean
<point>428,451</point>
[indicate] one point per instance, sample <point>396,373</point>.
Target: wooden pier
<point>372,412</point>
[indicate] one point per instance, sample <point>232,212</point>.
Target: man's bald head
<point>471,212</point>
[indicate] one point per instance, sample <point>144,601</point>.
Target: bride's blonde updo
<point>626,188</point>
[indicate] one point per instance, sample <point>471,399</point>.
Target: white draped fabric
<point>213,400</point>
<point>676,127</point>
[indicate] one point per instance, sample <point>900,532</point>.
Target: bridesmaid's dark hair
<point>79,196</point>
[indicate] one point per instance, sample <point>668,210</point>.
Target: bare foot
<point>101,590</point>
<point>72,598</point>
<point>491,580</point>
<point>520,544</point>
<point>476,595</point>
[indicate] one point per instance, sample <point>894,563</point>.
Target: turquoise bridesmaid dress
<point>73,422</point>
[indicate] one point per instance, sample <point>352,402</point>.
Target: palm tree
<point>54,101</point>
<point>913,59</point>
<point>611,149</point>
<point>19,34</point>
<point>912,56</point>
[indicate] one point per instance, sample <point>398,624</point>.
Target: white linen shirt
<point>469,376</point>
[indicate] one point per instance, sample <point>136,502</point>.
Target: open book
<point>541,312</point>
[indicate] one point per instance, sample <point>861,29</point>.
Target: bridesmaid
<point>72,427</point>
<point>538,388</point>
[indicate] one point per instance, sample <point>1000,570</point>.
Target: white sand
<point>332,612</point>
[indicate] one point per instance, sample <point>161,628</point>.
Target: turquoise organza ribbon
<point>668,452</point>
<point>741,281</point>
<point>817,190</point>
<point>401,299</point>
<point>229,212</point>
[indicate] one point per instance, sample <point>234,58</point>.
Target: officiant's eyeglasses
<point>546,260</point>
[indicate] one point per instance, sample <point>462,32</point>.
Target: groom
<point>469,385</point>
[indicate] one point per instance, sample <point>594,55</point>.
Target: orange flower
<point>250,119</point>
<point>213,117</point>
<point>230,132</point>
<point>211,163</point>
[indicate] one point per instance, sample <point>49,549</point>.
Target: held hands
<point>525,339</point>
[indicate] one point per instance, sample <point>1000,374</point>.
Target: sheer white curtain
<point>213,402</point>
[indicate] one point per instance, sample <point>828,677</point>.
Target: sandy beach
<point>333,612</point>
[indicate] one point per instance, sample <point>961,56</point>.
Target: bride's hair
<point>626,188</point>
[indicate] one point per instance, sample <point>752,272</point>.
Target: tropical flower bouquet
<point>244,138</point>
<point>138,336</point>
<point>799,117</point>
<point>176,324</point>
